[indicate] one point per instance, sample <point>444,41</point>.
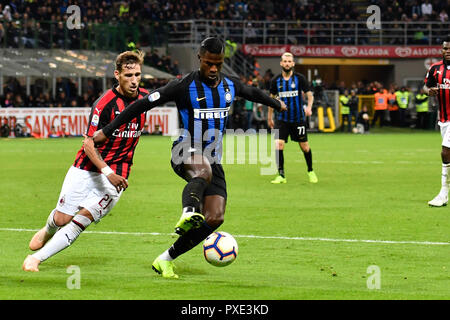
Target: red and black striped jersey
<point>118,150</point>
<point>439,76</point>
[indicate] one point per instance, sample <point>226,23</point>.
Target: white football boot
<point>439,201</point>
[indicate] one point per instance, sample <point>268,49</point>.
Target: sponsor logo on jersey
<point>288,94</point>
<point>127,133</point>
<point>132,131</point>
<point>213,113</point>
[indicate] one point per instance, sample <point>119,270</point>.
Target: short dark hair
<point>212,45</point>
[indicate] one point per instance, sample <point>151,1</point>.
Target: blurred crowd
<point>66,93</point>
<point>27,23</point>
<point>267,10</point>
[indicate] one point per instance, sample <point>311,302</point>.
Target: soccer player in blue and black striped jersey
<point>289,86</point>
<point>203,99</point>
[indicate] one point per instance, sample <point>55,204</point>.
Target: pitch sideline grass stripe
<point>257,237</point>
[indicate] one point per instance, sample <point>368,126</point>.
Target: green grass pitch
<point>296,241</point>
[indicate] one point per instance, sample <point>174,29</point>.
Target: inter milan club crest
<point>228,96</point>
<point>293,85</point>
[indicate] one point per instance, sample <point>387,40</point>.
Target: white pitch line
<point>429,243</point>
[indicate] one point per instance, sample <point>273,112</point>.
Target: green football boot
<point>279,179</point>
<point>188,220</point>
<point>312,177</point>
<point>165,268</point>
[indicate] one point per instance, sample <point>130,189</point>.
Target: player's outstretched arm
<point>257,95</point>
<point>91,151</point>
<point>132,111</point>
<point>154,99</point>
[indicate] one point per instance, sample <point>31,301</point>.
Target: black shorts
<point>218,185</point>
<point>297,131</point>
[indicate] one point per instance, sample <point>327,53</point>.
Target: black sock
<point>190,239</point>
<point>308,158</point>
<point>193,193</point>
<point>280,162</point>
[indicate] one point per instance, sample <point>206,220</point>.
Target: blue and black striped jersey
<point>203,110</point>
<point>290,91</point>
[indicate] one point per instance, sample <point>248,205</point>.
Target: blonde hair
<point>287,54</point>
<point>129,57</point>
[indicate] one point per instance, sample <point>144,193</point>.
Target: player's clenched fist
<point>117,181</point>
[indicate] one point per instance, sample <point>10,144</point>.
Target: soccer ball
<point>220,249</point>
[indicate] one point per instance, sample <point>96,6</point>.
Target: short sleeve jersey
<point>439,76</point>
<point>290,91</point>
<point>119,149</point>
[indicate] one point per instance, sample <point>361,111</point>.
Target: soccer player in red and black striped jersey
<point>289,86</point>
<point>97,178</point>
<point>437,83</point>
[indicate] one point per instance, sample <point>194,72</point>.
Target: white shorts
<point>445,133</point>
<point>89,190</point>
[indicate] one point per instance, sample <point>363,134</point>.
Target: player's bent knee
<point>215,221</point>
<point>61,219</point>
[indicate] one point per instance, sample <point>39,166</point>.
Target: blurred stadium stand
<point>39,51</point>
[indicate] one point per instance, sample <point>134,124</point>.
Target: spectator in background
<point>157,131</point>
<point>416,8</point>
<point>345,111</point>
<point>248,107</point>
<point>353,105</point>
<point>8,101</point>
<point>63,132</point>
<point>53,133</point>
<point>380,106</point>
<point>7,16</point>
<point>175,69</point>
<point>426,8</point>
<point>363,123</point>
<point>422,108</point>
<point>393,107</point>
<point>5,129</point>
<point>59,36</point>
<point>402,99</point>
<point>260,115</point>
<point>61,100</point>
<point>18,102</point>
<point>31,102</point>
<point>443,16</point>
<point>85,101</point>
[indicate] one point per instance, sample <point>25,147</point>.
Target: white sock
<point>166,256</point>
<point>51,226</point>
<point>63,238</point>
<point>444,179</point>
